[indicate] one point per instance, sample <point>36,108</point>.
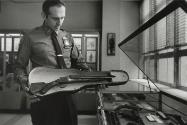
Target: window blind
<point>161,25</point>
<point>145,10</point>
<point>181,29</point>
<point>181,38</point>
<point>152,40</point>
<point>170,29</point>
<point>145,17</point>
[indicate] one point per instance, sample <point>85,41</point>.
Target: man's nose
<point>60,21</point>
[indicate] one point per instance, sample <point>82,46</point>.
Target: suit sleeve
<point>23,60</point>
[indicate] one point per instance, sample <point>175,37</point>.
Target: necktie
<point>60,58</point>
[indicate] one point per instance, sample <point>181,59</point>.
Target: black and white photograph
<point>93,62</point>
<point>111,42</point>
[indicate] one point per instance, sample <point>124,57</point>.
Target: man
<point>39,47</point>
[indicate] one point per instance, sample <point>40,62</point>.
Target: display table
<point>133,108</point>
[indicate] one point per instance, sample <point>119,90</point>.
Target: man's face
<point>56,17</point>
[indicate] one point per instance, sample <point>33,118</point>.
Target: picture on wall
<point>77,42</point>
<point>111,43</point>
<point>91,43</point>
<point>91,56</point>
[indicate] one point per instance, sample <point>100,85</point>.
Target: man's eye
<point>56,19</point>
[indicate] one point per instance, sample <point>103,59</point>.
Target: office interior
<point>150,38</point>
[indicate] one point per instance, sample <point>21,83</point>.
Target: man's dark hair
<point>49,3</point>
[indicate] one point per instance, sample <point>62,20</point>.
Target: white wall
<point>122,18</point>
<point>129,22</point>
<point>110,24</point>
<point>20,16</point>
<point>82,16</point>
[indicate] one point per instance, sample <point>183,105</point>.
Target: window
<point>16,44</point>
<point>165,46</point>
<point>181,37</point>
<point>183,71</point>
<point>165,70</point>
<point>9,43</point>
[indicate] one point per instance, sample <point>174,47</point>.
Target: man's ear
<point>43,15</point>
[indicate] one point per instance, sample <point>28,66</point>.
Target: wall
<point>20,16</point>
<point>82,16</point>
<point>129,22</point>
<point>85,16</point>
<point>110,24</point>
<point>122,18</point>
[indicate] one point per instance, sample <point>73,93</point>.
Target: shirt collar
<point>47,29</point>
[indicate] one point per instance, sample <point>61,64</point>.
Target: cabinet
<point>89,46</point>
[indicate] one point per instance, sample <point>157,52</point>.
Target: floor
<point>24,119</point>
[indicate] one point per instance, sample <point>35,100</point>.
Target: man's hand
<point>24,85</point>
<point>33,98</point>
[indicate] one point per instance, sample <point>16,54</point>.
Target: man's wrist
<point>23,80</point>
